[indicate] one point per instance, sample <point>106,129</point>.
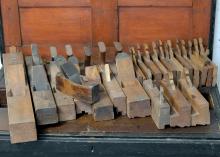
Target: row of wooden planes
<point>161,84</point>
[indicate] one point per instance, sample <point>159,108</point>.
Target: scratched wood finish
<point>82,22</point>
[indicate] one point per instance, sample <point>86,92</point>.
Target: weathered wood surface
<point>138,102</point>
<point>187,55</point>
<point>114,90</point>
<point>183,60</point>
<point>180,107</point>
<point>157,75</point>
<point>200,106</point>
<point>125,68</point>
<point>71,72</point>
<point>138,72</point>
<point>22,125</point>
<point>92,73</point>
<point>44,103</point>
<point>65,104</point>
<point>102,50</point>
<point>71,58</point>
<point>167,62</point>
<point>145,70</point>
<point>160,109</point>
<point>176,63</point>
<point>155,59</point>
<point>88,92</point>
<point>82,107</point>
<point>103,109</point>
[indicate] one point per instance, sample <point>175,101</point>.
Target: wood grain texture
<point>11,23</point>
<point>20,110</point>
<point>164,24</point>
<point>150,3</point>
<point>104,21</point>
<point>53,3</point>
<point>55,25</point>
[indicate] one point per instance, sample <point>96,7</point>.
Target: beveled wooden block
<point>114,91</point>
<point>138,102</point>
<point>45,107</point>
<point>103,109</point>
<point>65,106</point>
<point>82,107</point>
<point>44,103</point>
<point>124,66</point>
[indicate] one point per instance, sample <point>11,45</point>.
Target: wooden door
<point>84,22</point>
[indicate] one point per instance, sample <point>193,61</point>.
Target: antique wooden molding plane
<point>200,106</point>
<point>167,62</point>
<point>156,61</point>
<point>71,84</point>
<point>180,107</point>
<point>44,103</point>
<point>200,63</point>
<point>21,119</point>
<point>138,102</point>
<point>114,90</point>
<point>157,75</point>
<point>160,109</point>
<point>212,68</point>
<point>145,70</point>
<point>65,104</point>
<point>138,72</point>
<point>185,62</point>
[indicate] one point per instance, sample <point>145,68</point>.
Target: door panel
<point>148,24</point>
<point>55,25</point>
